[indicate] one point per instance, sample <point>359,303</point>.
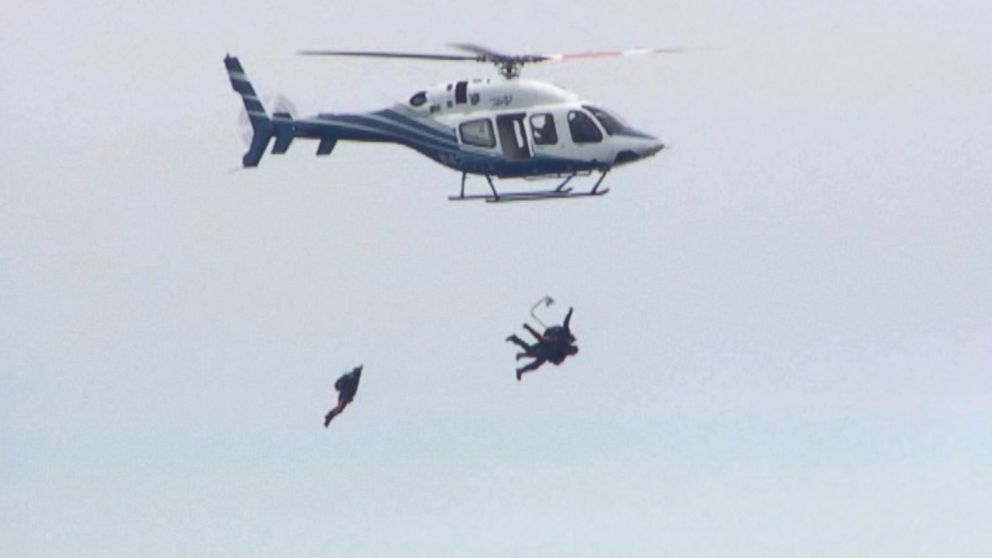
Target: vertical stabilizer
<point>261,125</point>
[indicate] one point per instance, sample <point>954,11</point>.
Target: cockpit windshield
<point>611,123</point>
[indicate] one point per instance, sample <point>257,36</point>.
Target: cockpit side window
<point>542,127</point>
<point>582,128</point>
<point>478,132</point>
<point>611,123</point>
<point>418,98</point>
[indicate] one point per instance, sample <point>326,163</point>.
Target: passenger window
<point>582,128</point>
<point>478,132</point>
<point>543,129</point>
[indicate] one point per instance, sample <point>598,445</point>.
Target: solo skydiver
<point>347,387</point>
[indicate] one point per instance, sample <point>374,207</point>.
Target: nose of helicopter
<point>653,146</point>
<point>644,147</point>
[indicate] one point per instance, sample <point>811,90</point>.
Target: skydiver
<point>551,334</point>
<point>347,387</point>
<point>532,350</point>
<point>554,345</point>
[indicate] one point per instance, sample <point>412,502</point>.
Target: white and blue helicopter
<point>507,128</point>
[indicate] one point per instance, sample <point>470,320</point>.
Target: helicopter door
<point>513,136</point>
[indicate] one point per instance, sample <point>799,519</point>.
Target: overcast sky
<point>785,319</point>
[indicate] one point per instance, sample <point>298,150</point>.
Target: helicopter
<point>503,128</point>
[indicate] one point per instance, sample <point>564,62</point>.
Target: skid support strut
<point>562,191</point>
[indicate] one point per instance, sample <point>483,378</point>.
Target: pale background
<point>785,319</point>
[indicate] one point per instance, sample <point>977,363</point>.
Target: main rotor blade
<point>378,54</point>
<point>608,53</point>
<point>491,55</point>
<point>509,64</point>
<point>481,51</point>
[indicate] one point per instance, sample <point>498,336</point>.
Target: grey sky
<point>785,318</point>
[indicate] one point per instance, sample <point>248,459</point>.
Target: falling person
<point>347,387</point>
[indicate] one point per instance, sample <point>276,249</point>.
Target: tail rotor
<point>281,105</point>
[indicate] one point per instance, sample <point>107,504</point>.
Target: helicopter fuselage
<point>504,128</point>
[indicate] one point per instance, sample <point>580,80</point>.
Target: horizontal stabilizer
<point>326,146</point>
<point>284,132</point>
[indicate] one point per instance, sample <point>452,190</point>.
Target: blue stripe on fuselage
<point>436,144</point>
<point>402,134</point>
<point>446,135</point>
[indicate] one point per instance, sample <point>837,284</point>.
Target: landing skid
<point>552,195</point>
<point>562,191</point>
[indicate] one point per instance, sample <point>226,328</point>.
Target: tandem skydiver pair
<point>555,345</point>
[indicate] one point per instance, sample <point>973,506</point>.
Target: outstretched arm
<point>568,318</point>
<point>534,332</point>
<point>514,339</point>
